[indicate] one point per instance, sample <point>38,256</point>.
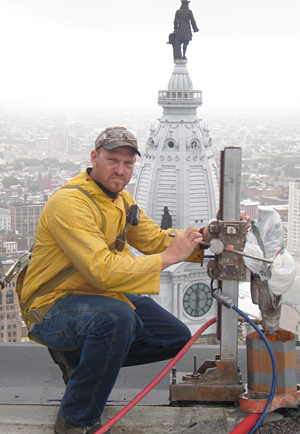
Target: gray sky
<point>114,52</point>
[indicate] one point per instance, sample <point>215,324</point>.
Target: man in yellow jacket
<point>81,291</point>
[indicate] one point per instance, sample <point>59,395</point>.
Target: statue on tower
<point>182,35</point>
<point>166,219</point>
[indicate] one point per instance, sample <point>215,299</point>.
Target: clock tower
<point>177,184</point>
<point>179,174</point>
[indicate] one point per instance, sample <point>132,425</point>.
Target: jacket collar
<point>110,194</point>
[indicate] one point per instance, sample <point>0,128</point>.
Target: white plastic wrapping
<point>266,240</point>
<point>252,248</point>
<point>283,273</point>
<point>271,230</point>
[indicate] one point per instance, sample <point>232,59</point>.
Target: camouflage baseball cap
<point>116,137</point>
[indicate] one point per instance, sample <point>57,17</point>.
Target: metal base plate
<point>218,380</point>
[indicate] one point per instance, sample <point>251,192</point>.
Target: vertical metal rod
<point>195,366</point>
<point>230,202</point>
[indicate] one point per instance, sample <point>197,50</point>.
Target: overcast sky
<point>114,52</point>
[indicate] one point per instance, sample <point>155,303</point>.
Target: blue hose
<point>226,301</point>
<point>274,377</point>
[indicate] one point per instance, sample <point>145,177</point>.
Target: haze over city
<point>115,53</point>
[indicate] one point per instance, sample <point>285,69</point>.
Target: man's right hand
<point>181,247</point>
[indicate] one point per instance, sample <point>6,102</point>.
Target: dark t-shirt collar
<point>104,189</point>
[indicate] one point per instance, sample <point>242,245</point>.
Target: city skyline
<point>115,54</point>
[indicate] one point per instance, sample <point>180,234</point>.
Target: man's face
<point>113,169</point>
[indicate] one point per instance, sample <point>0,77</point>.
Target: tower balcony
<point>180,97</point>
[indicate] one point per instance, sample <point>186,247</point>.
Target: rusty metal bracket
<point>227,242</point>
<point>255,402</point>
<point>218,380</point>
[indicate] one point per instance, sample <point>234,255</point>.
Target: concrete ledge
<point>36,419</point>
<point>31,389</point>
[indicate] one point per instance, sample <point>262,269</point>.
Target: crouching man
<point>82,289</point>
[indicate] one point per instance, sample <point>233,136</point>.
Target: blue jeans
<point>109,334</point>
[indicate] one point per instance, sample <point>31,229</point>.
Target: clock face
<point>197,300</point>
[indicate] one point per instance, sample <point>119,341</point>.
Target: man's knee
<point>185,333</point>
<point>149,309</point>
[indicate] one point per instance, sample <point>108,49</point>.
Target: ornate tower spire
<point>177,184</point>
<point>178,169</point>
<point>180,99</point>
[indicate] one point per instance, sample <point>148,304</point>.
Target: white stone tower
<point>179,171</point>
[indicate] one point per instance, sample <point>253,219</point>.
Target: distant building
<point>22,243</point>
<point>253,192</point>
<point>44,182</point>
<point>42,143</point>
<point>5,220</point>
<point>293,241</point>
<point>290,311</point>
<point>11,236</point>
<point>282,211</point>
<point>59,142</point>
<point>290,319</point>
<point>10,322</point>
<point>250,208</point>
<point>10,247</point>
<point>25,217</point>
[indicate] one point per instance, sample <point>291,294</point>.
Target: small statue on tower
<point>182,35</point>
<point>166,219</point>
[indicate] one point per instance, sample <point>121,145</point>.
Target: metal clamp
<point>16,268</point>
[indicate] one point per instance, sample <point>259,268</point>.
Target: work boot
<point>63,427</point>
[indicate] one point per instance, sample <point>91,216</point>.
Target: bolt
<point>173,375</point>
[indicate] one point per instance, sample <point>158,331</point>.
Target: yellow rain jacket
<point>69,232</point>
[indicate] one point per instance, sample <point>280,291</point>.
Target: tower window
<point>171,144</point>
<point>9,297</point>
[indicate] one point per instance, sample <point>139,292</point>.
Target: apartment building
<point>10,321</point>
<point>293,240</point>
<point>5,220</point>
<point>25,217</point>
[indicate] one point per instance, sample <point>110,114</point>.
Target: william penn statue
<point>182,35</point>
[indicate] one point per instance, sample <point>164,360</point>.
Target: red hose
<point>245,426</point>
<point>156,380</point>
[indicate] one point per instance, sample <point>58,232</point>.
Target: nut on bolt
<point>173,375</point>
<point>215,229</point>
<point>216,246</point>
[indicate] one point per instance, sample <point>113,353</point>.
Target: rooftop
<point>31,388</point>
